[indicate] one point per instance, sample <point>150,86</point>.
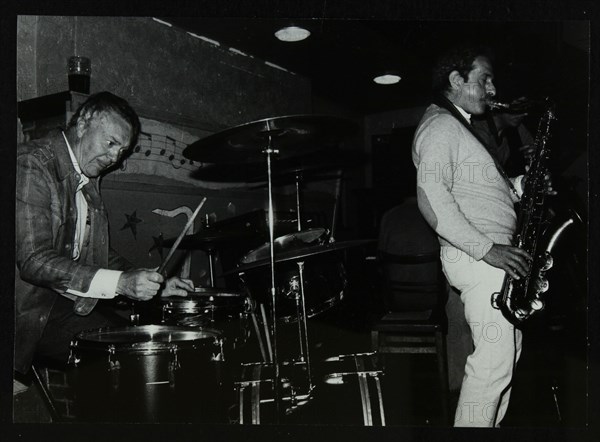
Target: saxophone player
<point>466,197</point>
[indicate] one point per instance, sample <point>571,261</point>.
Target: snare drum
<point>218,309</point>
<point>152,373</point>
<point>202,306</point>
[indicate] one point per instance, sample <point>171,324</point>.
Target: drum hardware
<point>265,357</point>
<point>282,137</point>
<point>303,329</point>
<point>306,294</point>
<point>267,334</point>
<point>210,252</point>
<point>361,369</point>
<point>174,365</point>
<point>211,268</point>
<point>134,318</point>
<point>255,390</point>
<point>338,191</point>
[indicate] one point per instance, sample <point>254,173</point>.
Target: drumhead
<point>145,337</point>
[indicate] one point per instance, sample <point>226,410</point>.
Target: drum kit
<point>182,363</point>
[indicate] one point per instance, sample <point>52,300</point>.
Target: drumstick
<point>161,269</point>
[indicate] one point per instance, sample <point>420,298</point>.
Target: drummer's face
<point>102,140</point>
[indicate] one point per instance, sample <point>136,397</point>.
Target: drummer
<point>66,272</point>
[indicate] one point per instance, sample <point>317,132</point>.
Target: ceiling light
<point>292,33</point>
<point>387,79</point>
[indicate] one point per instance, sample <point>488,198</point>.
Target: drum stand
<point>269,151</point>
<point>296,290</point>
<point>302,324</point>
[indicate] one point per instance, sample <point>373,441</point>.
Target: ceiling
<point>342,56</point>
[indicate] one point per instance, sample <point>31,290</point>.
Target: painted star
<point>132,222</point>
<point>158,244</point>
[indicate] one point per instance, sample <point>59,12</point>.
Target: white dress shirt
<point>104,283</point>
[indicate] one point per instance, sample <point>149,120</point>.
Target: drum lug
<point>221,355</point>
<point>174,365</point>
<point>113,367</point>
<point>73,360</point>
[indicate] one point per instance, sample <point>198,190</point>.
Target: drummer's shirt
<point>104,283</point>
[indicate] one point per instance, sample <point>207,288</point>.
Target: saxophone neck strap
<point>443,102</point>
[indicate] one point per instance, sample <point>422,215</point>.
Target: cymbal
<point>290,136</point>
<point>206,239</point>
<point>302,252</point>
<point>314,166</point>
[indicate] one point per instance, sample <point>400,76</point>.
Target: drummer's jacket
<point>46,216</point>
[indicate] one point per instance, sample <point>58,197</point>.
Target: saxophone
<point>520,298</point>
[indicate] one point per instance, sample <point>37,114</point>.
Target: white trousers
<point>485,390</point>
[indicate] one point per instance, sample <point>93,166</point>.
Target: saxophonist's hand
<point>512,260</point>
<point>548,189</point>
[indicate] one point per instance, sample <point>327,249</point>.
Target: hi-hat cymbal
<point>207,239</point>
<point>290,136</point>
<point>302,252</point>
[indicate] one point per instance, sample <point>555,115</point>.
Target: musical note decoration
<point>162,148</point>
<point>132,222</point>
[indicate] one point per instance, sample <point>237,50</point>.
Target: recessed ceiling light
<point>292,33</point>
<point>387,79</point>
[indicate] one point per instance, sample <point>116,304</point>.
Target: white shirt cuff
<point>103,285</point>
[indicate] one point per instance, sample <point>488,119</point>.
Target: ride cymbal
<point>288,136</point>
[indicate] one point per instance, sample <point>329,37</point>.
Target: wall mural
<point>159,153</point>
<point>132,222</point>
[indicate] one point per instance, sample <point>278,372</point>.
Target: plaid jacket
<point>45,228</point>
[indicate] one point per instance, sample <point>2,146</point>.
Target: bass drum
<point>324,275</point>
<point>150,373</point>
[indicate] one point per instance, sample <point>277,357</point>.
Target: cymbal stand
<point>211,256</point>
<point>338,191</point>
<point>269,151</point>
<point>302,326</point>
<point>211,269</point>
<point>298,215</point>
<point>265,357</point>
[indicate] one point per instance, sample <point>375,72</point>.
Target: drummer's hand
<point>139,284</point>
<point>176,286</point>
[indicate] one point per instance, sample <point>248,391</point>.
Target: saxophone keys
<point>548,261</point>
<point>496,300</point>
<point>542,285</point>
<point>537,304</point>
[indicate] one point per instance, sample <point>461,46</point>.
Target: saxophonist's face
<point>471,94</point>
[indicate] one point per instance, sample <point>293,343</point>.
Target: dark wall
<point>163,71</point>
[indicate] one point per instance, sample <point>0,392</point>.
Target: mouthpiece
<point>520,106</point>
<point>496,105</point>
